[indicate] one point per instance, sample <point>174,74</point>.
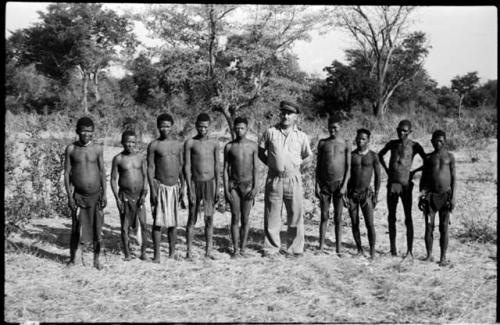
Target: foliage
<point>80,36</point>
<point>389,55</point>
<point>35,189</point>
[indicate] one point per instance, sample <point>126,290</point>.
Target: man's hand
<point>72,204</point>
<point>191,197</point>
<point>452,204</point>
<point>153,198</point>
<point>216,197</point>
<point>345,201</point>
<point>374,200</point>
<point>120,205</point>
<point>343,190</point>
<point>182,201</point>
<point>228,196</point>
<point>251,195</point>
<point>104,202</point>
<point>317,190</point>
<point>143,197</point>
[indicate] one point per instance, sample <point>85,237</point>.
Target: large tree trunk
<point>96,87</point>
<point>229,121</point>
<point>85,92</point>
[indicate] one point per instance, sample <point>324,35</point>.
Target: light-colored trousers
<point>281,191</point>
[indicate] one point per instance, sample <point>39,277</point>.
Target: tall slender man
<point>85,183</point>
<point>285,150</point>
<point>240,183</point>
<point>332,173</point>
<point>202,164</point>
<point>437,193</point>
<point>364,163</point>
<point>399,183</point>
<point>164,175</point>
<point>128,172</point>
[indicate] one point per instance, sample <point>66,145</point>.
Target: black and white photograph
<point>250,163</point>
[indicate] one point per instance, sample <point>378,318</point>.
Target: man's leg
<point>406,199</point>
<point>193,214</point>
<point>209,233</point>
<point>246,207</point>
<point>273,202</point>
<point>98,223</point>
<point>235,220</point>
<point>292,197</point>
<point>392,203</point>
<point>444,221</point>
<point>337,218</point>
<point>125,236</point>
<point>354,214</point>
<point>172,239</point>
<point>429,232</point>
<point>75,237</point>
<point>156,243</point>
<point>324,204</point>
<point>144,233</point>
<point>367,209</point>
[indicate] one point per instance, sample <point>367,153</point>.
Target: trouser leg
<point>293,196</point>
<point>273,202</point>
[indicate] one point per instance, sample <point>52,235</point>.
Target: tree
<point>463,85</point>
<point>235,61</point>
<point>390,55</point>
<point>80,36</point>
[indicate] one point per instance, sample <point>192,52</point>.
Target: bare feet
<point>408,255</point>
<point>144,258</point>
<point>210,256</point>
<point>444,262</point>
<point>127,258</point>
<point>98,265</point>
<point>429,259</point>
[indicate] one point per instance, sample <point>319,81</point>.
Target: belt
<point>283,174</point>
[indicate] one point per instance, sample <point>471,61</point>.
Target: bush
<point>479,229</point>
<point>34,189</point>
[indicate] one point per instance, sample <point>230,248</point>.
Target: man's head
<point>164,122</point>
<point>362,139</point>
<point>202,124</point>
<point>438,139</point>
<point>289,112</point>
<point>85,130</point>
<point>333,126</point>
<point>240,127</point>
<point>129,141</point>
<point>404,129</point>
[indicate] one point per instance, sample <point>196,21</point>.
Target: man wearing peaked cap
<point>286,151</point>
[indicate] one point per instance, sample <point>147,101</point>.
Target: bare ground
<point>314,288</point>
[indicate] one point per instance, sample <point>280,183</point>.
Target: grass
<point>314,288</point>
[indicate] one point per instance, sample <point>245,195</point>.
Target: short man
<point>164,175</point>
<point>399,183</point>
<point>240,183</point>
<point>364,163</point>
<point>285,150</point>
<point>85,182</point>
<point>438,188</point>
<point>128,172</point>
<point>201,155</point>
<point>332,173</point>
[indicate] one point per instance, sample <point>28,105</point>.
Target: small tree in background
<point>463,85</point>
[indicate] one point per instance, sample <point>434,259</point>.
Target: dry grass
<point>314,288</point>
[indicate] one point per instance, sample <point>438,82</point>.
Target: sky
<point>462,39</point>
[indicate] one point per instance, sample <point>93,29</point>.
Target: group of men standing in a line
<point>343,177</point>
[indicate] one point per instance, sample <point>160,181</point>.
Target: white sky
<point>463,39</point>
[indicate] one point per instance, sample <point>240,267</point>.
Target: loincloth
<point>166,209</point>
<point>132,210</point>
<point>330,188</point>
<point>90,215</point>
<point>241,188</point>
<point>398,189</point>
<point>433,202</point>
<point>360,197</point>
<point>205,190</point>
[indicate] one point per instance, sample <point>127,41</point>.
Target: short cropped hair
<point>203,117</point>
<point>83,122</point>
<point>240,119</point>
<point>333,119</point>
<point>364,131</point>
<point>128,133</point>
<point>164,117</point>
<point>405,122</point>
<point>438,133</point>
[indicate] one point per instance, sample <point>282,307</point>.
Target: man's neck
<point>81,144</point>
<point>363,151</point>
<point>239,139</point>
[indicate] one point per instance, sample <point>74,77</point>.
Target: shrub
<point>479,229</point>
<point>35,189</point>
